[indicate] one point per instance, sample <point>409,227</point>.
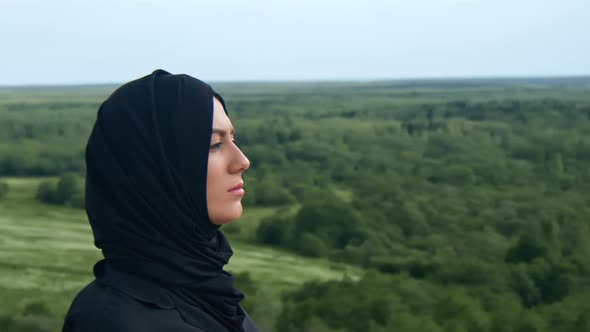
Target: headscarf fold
<point>146,195</point>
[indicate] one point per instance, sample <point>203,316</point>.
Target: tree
<point>334,222</point>
<point>275,229</point>
<point>270,193</point>
<point>66,191</point>
<point>67,188</point>
<point>526,249</point>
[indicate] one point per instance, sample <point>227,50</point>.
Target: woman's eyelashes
<point>217,146</point>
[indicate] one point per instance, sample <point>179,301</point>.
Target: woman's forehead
<point>217,103</point>
<point>221,122</point>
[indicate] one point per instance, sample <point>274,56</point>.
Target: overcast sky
<point>111,41</point>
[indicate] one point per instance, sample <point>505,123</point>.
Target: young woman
<point>163,174</point>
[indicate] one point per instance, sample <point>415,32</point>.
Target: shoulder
<point>99,308</point>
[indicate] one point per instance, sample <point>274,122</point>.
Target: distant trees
<point>30,161</point>
<point>268,193</point>
<point>44,137</point>
<point>334,222</point>
<point>317,229</point>
<point>528,248</point>
<point>469,207</point>
<point>380,302</point>
<point>67,191</point>
<point>345,305</point>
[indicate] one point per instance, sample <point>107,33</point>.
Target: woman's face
<point>224,172</point>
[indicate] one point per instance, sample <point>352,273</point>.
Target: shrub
<point>67,191</point>
<point>3,189</point>
<point>312,246</point>
<point>47,193</point>
<point>269,193</point>
<point>334,222</point>
<point>275,229</point>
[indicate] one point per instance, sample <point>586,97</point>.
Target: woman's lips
<point>238,189</point>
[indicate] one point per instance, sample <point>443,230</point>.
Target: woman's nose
<point>241,163</point>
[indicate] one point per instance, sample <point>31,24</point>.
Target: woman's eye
<point>216,146</point>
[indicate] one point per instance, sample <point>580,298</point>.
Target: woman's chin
<point>228,216</point>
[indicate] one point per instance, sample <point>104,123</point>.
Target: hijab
<point>146,199</point>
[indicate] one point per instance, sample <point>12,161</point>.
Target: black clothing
<point>146,177</point>
<point>118,301</point>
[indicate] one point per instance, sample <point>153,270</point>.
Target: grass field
<point>47,254</point>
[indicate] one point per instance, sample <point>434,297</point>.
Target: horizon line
<point>321,80</point>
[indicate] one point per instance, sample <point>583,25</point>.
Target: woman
<point>163,174</point>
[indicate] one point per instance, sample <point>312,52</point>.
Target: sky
<point>113,41</point>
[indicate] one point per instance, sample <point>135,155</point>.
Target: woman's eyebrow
<point>222,132</point>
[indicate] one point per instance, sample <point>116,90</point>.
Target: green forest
<point>416,205</point>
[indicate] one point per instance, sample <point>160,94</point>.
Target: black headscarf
<point>146,195</point>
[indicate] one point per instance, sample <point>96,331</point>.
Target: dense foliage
<point>3,189</point>
<point>466,200</point>
<point>67,191</point>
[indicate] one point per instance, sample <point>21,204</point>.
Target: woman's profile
<point>163,174</point>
